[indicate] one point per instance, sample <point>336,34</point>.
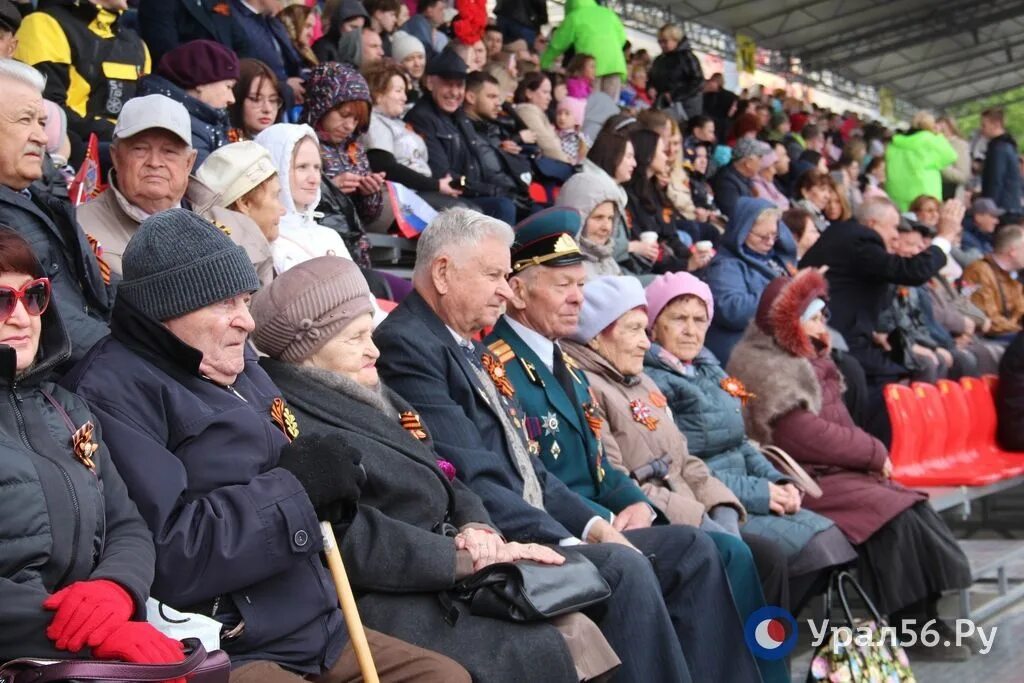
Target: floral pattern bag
<point>845,658</point>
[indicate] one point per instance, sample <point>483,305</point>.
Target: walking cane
<point>348,605</point>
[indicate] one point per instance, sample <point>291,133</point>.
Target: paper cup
<point>649,237</point>
<point>704,245</point>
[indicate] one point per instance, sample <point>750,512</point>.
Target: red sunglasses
<point>35,295</point>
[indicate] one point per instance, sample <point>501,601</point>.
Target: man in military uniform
<point>463,394</point>
<point>564,423</point>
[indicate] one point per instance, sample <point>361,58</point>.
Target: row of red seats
<point>944,434</point>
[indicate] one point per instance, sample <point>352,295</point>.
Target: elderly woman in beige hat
<point>417,529</point>
<point>245,180</point>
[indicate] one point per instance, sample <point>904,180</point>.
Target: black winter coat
<point>48,224</point>
<point>860,272</point>
<point>1010,396</point>
<point>398,549</point>
<point>166,24</point>
<point>532,13</point>
<point>59,521</point>
<point>236,536</point>
<point>677,74</point>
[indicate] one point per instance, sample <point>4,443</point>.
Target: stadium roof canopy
<point>934,53</point>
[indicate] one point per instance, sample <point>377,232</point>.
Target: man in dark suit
<point>166,24</point>
<point>862,264</point>
<point>429,357</point>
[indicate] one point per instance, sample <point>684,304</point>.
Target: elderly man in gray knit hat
<point>222,474</point>
<point>737,179</point>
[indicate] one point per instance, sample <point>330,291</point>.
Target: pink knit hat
<point>664,288</point>
<point>577,106</point>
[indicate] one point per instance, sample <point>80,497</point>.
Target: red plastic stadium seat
<point>953,468</point>
<point>978,393</point>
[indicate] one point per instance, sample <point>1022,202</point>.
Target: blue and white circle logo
<point>770,633</point>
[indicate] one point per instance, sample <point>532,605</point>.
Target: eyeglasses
<point>35,295</point>
<point>765,237</point>
<point>271,100</point>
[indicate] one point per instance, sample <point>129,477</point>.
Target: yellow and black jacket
<point>92,65</point>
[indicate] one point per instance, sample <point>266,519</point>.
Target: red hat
<point>199,62</point>
<point>782,304</point>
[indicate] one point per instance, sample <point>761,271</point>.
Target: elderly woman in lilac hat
<point>706,406</point>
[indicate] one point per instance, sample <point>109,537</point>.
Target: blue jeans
<point>513,30</point>
<point>502,208</point>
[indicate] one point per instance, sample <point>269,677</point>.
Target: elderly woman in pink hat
<point>706,405</point>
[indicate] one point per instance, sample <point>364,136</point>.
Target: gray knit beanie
<point>307,305</point>
<point>177,263</point>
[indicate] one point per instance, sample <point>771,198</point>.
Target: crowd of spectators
<point>204,359</point>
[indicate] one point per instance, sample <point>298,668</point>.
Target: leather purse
<point>785,463</point>
<point>199,666</point>
<point>531,591</point>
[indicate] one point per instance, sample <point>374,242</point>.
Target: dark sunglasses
<point>35,295</point>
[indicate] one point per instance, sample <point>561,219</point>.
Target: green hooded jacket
<point>591,30</point>
<point>913,166</point>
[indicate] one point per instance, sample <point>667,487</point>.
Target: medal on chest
<point>642,413</point>
<point>84,445</point>
<point>282,416</point>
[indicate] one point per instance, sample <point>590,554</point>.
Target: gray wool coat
<point>397,553</point>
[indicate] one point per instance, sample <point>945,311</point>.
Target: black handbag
<point>531,591</point>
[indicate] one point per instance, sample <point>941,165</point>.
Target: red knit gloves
<point>138,642</point>
<point>87,613</point>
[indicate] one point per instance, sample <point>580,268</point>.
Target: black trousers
<point>695,593</point>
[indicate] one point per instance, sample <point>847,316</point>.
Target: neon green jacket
<point>591,30</point>
<point>913,166</point>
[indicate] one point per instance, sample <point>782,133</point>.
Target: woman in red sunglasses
<point>76,560</point>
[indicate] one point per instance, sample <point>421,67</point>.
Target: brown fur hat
<point>782,303</point>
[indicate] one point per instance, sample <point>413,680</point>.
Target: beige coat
<point>547,137</point>
<point>112,221</point>
<point>690,489</point>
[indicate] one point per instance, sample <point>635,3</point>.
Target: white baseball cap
<point>233,170</point>
<point>153,111</point>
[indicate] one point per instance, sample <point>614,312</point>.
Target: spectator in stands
<point>372,48</point>
<point>250,510</point>
<point>598,207</point>
<point>590,29</point>
<point>90,588</point>
<point>428,357</point>
<point>383,20</point>
<point>998,292</point>
<point>1010,397</point>
<point>544,309</point>
<point>532,99</point>
<point>801,224</point>
<point>166,24</point>
<point>409,52</point>
<point>243,178</point>
<point>1000,176</point>
<point>979,227</point>
<point>395,150</point>
<point>676,74</point>
<point>914,162</point>
<point>756,248</point>
<point>815,191</point>
<point>521,19</point>
<point>838,207</point>
<point>502,148</point>
<point>675,180</point>
<point>719,103</point>
<point>569,115</point>
<point>47,222</point>
<point>295,151</point>
<point>453,145</point>
<point>650,211</point>
<point>91,63</point>
<point>494,41</point>
<point>874,179</point>
<point>338,109</point>
<point>862,265</point>
<point>966,323</point>
<point>737,179</point>
<point>200,75</point>
<point>330,381</point>
<point>608,166</point>
<point>700,129</point>
<point>258,103</point>
<point>707,410</point>
<point>907,556</point>
<point>152,158</point>
<point>270,43</point>
<point>300,23</point>
<point>956,176</point>
<point>765,186</point>
<point>425,25</point>
<point>343,41</point>
<point>10,21</point>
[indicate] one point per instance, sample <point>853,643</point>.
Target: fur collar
<point>781,381</point>
<point>376,397</point>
